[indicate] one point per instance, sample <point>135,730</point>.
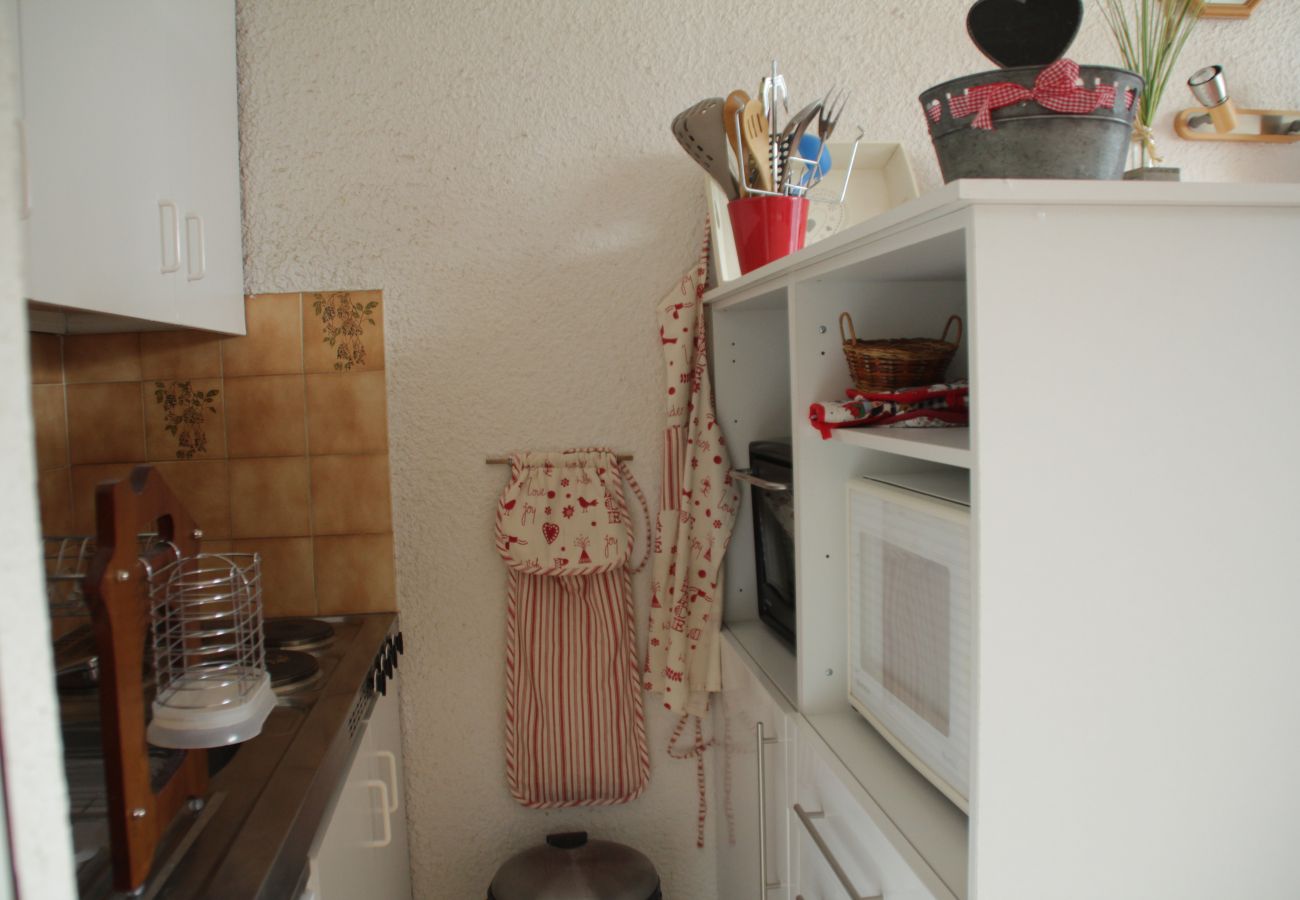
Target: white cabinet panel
<point>363,851</point>
<point>132,149</point>
<point>758,805</point>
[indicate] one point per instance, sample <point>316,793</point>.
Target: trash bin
<point>570,867</point>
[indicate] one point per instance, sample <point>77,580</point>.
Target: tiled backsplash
<point>276,442</point>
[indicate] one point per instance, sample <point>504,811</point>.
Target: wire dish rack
<point>67,557</point>
<point>208,650</point>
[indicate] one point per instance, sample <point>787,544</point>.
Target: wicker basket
<point>888,365</point>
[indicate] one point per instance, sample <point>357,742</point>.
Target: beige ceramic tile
<point>105,423</point>
<point>273,345</point>
<point>179,354</point>
<point>47,358</point>
<point>54,487</point>
<point>350,495</point>
<point>288,578</point>
<point>265,416</point>
<point>346,413</point>
<point>343,331</point>
<point>193,410</point>
<point>51,426</point>
<point>354,574</point>
<point>101,357</point>
<point>84,481</point>
<point>270,497</point>
<point>203,488</point>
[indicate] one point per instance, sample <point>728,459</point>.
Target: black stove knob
<point>391,655</point>
<point>381,682</point>
<point>397,642</point>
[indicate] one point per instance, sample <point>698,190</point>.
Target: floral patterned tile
<point>343,331</point>
<point>184,419</point>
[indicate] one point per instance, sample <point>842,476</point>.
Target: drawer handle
<point>760,748</point>
<point>392,774</point>
<point>807,819</point>
<point>762,483</point>
<point>170,236</point>
<point>382,787</point>
<point>191,273</point>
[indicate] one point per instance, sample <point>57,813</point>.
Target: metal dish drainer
<point>212,687</point>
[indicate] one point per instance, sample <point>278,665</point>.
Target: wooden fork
<point>753,132</point>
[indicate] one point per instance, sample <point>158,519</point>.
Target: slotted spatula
<point>700,131</point>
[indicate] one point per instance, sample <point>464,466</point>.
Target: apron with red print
<point>575,723</point>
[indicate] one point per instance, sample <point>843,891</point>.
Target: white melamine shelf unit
<point>1127,582</point>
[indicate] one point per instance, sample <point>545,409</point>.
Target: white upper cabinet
<point>132,159</point>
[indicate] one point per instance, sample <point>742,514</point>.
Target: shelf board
<point>929,823</point>
<point>949,446</point>
<point>773,658</point>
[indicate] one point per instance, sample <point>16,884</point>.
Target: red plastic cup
<point>767,228</point>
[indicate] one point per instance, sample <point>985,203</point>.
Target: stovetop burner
<point>297,634</point>
<point>291,670</point>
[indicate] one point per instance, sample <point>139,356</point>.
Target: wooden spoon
<point>753,132</point>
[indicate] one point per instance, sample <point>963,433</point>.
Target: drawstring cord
<point>696,752</point>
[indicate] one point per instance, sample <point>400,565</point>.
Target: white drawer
<point>832,829</point>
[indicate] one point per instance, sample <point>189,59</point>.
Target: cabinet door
<point>363,851</point>
<point>132,159</point>
<point>203,159</point>
<point>341,866</point>
<point>96,236</point>
<point>754,837</point>
<point>392,860</point>
<point>836,841</point>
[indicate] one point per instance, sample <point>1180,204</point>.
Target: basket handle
<point>944,336</point>
<point>845,318</point>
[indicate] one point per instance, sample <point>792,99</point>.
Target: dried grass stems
<point>1150,34</point>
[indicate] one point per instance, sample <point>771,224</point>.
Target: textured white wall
<point>29,712</point>
<point>504,172</point>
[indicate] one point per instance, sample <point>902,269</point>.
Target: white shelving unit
<point>1125,345</point>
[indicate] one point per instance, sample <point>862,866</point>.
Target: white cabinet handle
<point>25,170</point>
<point>171,237</point>
<point>202,255</point>
<point>387,839</point>
<point>760,753</point>
<point>807,819</point>
<point>394,796</point>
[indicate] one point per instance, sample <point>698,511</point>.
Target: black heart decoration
<point>1024,32</point>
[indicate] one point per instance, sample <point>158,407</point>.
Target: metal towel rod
<point>505,460</point>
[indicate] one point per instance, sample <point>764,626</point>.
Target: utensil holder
<point>767,228</point>
<point>209,654</point>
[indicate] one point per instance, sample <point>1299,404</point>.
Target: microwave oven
<point>910,619</point>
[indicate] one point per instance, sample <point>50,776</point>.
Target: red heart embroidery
<point>550,531</point>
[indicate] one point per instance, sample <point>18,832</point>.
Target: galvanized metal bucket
<point>1031,141</point>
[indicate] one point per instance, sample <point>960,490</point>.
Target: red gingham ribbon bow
<point>1056,88</point>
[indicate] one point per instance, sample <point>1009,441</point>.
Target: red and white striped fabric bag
<point>575,721</point>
